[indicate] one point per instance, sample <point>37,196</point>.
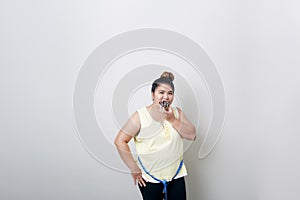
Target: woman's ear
<point>152,96</point>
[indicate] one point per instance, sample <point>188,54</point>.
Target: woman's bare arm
<point>128,131</point>
<point>183,126</point>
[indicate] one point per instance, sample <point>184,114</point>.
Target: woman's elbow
<point>118,141</point>
<point>121,140</point>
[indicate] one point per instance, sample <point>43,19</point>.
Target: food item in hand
<point>165,105</point>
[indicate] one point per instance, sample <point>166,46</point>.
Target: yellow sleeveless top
<point>160,148</point>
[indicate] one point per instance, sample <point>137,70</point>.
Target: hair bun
<point>168,75</point>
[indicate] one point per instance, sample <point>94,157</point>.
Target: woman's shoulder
<point>135,117</point>
<point>139,113</point>
<point>142,110</point>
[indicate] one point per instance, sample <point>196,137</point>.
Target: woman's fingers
<point>168,114</point>
<point>141,182</point>
<point>138,179</point>
<point>135,181</point>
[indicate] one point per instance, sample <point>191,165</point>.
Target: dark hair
<point>166,78</point>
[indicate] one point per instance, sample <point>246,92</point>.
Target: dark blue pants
<point>154,191</point>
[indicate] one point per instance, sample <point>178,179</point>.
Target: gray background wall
<point>255,46</point>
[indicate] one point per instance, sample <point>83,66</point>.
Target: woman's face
<point>163,92</point>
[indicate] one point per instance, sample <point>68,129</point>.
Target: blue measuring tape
<point>164,182</point>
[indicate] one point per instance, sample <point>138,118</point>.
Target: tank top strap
<point>175,111</point>
<point>145,118</point>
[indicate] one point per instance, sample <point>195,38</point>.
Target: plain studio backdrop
<point>254,45</point>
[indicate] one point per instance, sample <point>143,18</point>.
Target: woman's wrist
<point>134,169</point>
